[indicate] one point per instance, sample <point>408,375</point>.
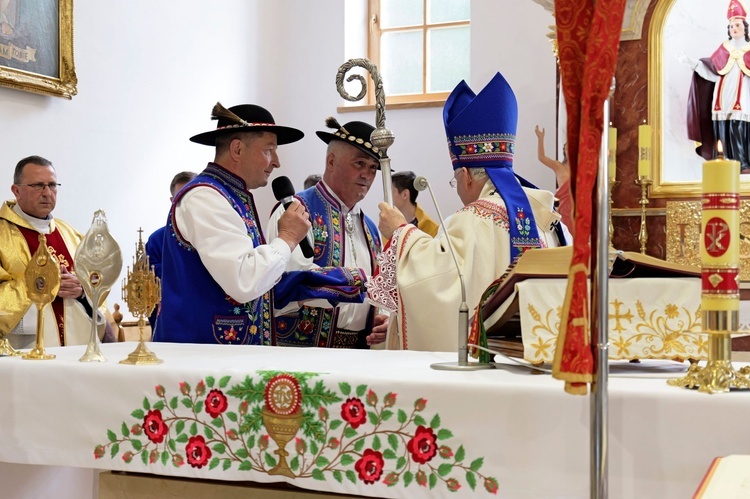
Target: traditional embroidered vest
<point>195,309</point>
<point>316,327</point>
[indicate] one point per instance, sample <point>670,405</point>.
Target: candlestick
<point>644,150</point>
<point>720,266</point>
<point>612,154</point>
<point>644,182</point>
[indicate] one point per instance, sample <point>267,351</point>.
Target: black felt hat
<point>356,133</point>
<point>246,118</point>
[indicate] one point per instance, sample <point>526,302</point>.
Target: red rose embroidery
<point>353,412</point>
<point>154,427</point>
<point>216,403</point>
<point>370,466</point>
<point>197,452</point>
<point>305,326</point>
<point>422,445</point>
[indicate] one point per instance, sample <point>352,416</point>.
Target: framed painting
<point>681,33</point>
<point>36,46</point>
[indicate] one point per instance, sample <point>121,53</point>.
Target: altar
<point>364,423</point>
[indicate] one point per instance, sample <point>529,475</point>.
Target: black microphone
<point>284,192</point>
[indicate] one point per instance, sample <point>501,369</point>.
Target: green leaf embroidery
<point>435,423</point>
<point>138,414</point>
<point>345,388</point>
<point>471,479</point>
<point>318,474</point>
<point>408,477</point>
<point>210,381</point>
<point>444,469</point>
<point>214,463</point>
<point>401,416</point>
<point>444,434</point>
<point>223,382</point>
<point>476,464</point>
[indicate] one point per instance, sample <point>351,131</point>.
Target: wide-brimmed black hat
<point>246,118</point>
<point>356,133</point>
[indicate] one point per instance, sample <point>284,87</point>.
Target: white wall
<point>150,71</point>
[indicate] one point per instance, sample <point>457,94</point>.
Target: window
<point>420,46</point>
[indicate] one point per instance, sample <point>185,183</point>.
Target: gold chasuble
<point>16,235</point>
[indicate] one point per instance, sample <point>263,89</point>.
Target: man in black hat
<point>343,237</point>
<point>217,269</point>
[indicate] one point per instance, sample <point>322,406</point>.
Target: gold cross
<point>617,316</point>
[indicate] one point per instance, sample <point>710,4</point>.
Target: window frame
<point>373,52</point>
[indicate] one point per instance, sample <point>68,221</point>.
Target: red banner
<point>588,35</point>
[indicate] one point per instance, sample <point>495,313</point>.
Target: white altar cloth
<point>512,428</point>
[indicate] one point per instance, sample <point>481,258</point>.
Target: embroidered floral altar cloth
<point>649,318</point>
<point>367,423</point>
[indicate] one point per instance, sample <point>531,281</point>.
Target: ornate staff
<point>381,137</point>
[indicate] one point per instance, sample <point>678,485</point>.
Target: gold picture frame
<point>36,47</point>
<point>693,28</point>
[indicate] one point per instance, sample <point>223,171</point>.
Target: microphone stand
<point>463,364</point>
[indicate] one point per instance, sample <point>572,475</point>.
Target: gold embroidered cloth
<point>648,318</point>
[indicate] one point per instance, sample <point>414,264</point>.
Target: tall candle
<point>720,244</point>
<point>612,153</point>
<point>644,150</point>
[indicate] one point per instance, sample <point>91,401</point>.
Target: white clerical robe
<point>418,277</point>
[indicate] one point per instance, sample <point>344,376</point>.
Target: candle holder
<point>612,184</point>
<point>141,290</point>
<point>644,182</point>
<point>718,375</point>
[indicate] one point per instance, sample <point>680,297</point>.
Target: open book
<point>554,263</point>
<point>727,478</point>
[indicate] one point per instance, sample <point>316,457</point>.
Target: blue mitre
<point>481,130</point>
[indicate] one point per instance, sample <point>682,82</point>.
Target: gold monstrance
<point>42,284</point>
<point>141,290</point>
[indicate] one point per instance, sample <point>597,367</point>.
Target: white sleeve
<point>705,73</point>
<point>296,262</point>
<point>217,232</point>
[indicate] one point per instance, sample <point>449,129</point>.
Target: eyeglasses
<point>39,186</point>
<point>452,182</point>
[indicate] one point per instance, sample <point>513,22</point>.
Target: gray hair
<point>35,160</point>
